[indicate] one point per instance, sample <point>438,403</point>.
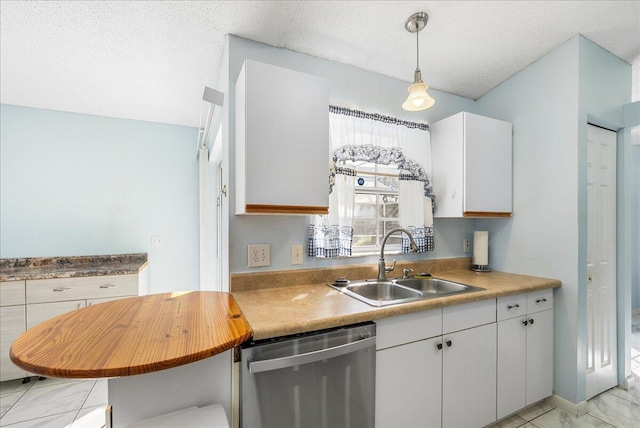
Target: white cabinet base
<point>136,398</point>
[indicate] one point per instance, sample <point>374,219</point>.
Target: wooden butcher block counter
<point>133,336</point>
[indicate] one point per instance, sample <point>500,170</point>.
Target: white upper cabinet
<point>472,166</point>
<point>282,141</point>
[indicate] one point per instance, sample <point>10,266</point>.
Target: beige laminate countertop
<point>274,312</point>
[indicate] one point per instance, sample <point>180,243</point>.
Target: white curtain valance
<point>358,137</point>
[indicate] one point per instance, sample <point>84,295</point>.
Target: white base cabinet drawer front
<point>94,287</point>
<point>408,328</point>
<point>11,293</point>
<point>539,301</point>
<point>12,322</point>
<point>460,317</point>
<point>408,385</point>
<point>40,312</point>
<point>512,306</point>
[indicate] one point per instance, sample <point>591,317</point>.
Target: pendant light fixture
<point>418,98</point>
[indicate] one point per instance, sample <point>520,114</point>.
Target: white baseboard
<point>628,383</point>
<point>573,409</point>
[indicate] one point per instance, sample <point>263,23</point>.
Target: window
<point>377,181</point>
<point>375,207</point>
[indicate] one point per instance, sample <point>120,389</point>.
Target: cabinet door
<point>39,312</point>
<point>487,171</point>
<point>539,356</point>
<point>12,325</point>
<point>512,355</point>
<point>408,385</point>
<point>469,377</point>
<point>447,138</point>
<point>282,141</point>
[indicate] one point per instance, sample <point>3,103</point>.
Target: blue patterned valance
<point>412,170</point>
<point>378,117</point>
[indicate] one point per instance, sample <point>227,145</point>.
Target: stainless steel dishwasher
<point>321,379</point>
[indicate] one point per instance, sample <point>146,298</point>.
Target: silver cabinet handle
<point>541,300</point>
<point>61,289</point>
<point>108,286</point>
<point>310,357</point>
<point>513,306</point>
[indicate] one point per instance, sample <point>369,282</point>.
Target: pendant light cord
<point>417,47</point>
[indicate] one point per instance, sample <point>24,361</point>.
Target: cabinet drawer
<point>461,317</point>
<point>11,293</point>
<point>408,328</point>
<point>539,300</point>
<point>511,306</point>
<point>93,287</point>
<point>40,312</point>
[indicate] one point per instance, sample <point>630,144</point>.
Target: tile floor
<point>57,403</point>
<point>54,403</point>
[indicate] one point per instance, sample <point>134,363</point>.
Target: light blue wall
<point>605,88</point>
<point>549,103</point>
<point>351,87</point>
<point>632,124</point>
<point>74,184</point>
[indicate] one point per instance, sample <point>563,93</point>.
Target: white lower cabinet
<point>25,304</point>
<point>427,381</point>
<point>525,350</point>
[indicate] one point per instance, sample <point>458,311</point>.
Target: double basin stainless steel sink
<point>393,291</point>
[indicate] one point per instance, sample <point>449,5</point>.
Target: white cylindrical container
<point>481,249</point>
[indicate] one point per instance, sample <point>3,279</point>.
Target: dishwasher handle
<point>310,357</point>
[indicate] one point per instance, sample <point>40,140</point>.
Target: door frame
<point>602,378</point>
<point>624,251</point>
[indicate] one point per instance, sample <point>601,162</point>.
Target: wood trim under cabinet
<point>285,209</point>
<point>485,214</point>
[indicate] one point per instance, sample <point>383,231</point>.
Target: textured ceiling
<point>150,60</point>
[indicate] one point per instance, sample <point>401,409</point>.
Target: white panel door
<point>512,363</point>
<point>539,356</point>
<point>408,385</point>
<point>469,377</point>
<point>601,260</point>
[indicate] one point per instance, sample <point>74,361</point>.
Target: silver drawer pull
<point>60,289</point>
<point>513,306</point>
<point>541,301</point>
<point>108,286</point>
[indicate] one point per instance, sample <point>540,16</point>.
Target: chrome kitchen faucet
<point>382,268</point>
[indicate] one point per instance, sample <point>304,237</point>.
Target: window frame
<point>364,250</point>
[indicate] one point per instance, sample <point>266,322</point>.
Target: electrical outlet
<point>259,255</point>
<point>466,245</point>
<point>296,254</point>
<point>157,242</point>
